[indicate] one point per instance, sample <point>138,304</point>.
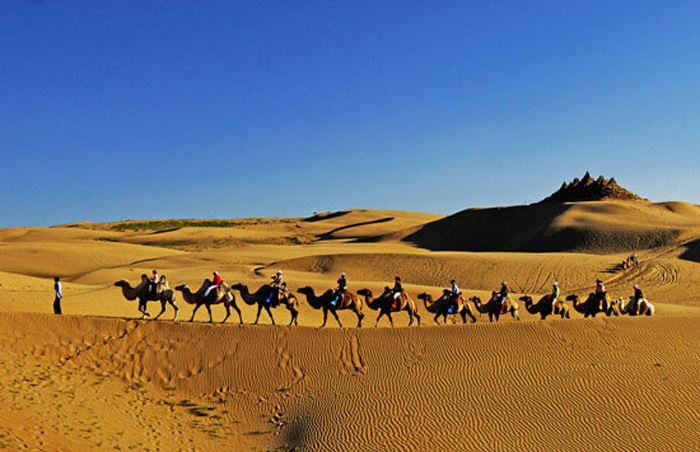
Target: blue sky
<point>158,109</point>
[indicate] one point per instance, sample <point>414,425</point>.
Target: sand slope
<point>602,384</point>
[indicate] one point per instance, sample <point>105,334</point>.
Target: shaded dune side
<point>578,384</point>
<point>606,227</point>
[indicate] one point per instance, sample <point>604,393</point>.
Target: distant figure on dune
<point>555,297</point>
<point>59,295</point>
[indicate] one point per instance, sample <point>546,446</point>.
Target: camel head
<point>573,297</point>
<point>239,286</point>
<point>476,300</point>
<point>306,290</point>
<point>181,287</point>
<point>121,283</point>
<point>365,293</point>
<point>526,299</point>
<point>424,296</point>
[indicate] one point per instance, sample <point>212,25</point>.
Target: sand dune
<point>558,384</point>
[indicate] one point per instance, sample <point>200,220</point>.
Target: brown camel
<point>325,302</point>
<point>492,307</point>
<point>261,297</point>
<point>163,294</point>
<point>221,295</point>
<point>442,306</point>
<point>591,306</point>
<point>545,308</point>
<point>385,304</point>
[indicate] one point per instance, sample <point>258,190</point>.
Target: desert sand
<point>99,378</point>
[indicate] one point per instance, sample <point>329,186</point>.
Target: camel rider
<point>554,297</point>
<point>342,287</point>
<point>216,282</point>
<point>153,282</point>
<point>454,297</point>
<point>502,295</point>
<point>277,286</point>
<point>396,291</point>
<point>638,296</point>
<point>601,293</point>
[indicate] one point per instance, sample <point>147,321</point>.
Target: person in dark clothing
<point>342,287</point>
<point>396,291</point>
<point>455,293</point>
<point>59,295</point>
<point>502,296</point>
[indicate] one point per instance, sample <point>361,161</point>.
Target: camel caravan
<point>391,301</point>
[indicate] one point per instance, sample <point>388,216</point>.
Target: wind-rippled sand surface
<point>97,378</point>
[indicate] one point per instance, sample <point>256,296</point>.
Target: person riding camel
<point>554,297</point>
<point>277,287</point>
<point>153,282</point>
<point>454,297</point>
<point>396,291</point>
<point>342,287</point>
<point>502,296</point>
<point>601,293</point>
<point>637,297</point>
<point>216,282</point>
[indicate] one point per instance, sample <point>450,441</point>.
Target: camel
<point>349,301</point>
<point>142,291</point>
<point>441,306</point>
<point>632,308</point>
<point>260,297</point>
<point>221,295</point>
<point>491,308</point>
<point>545,308</point>
<point>385,304</point>
<point>591,306</point>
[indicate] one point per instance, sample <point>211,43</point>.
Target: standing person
<point>601,294</point>
<point>216,282</point>
<point>59,295</point>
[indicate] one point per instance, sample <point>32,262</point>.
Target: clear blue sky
<point>158,109</point>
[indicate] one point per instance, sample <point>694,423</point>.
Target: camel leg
<point>381,313</point>
<point>258,316</point>
<point>175,308</point>
<point>335,314</point>
<point>410,318</point>
<point>208,306</point>
<point>162,310</point>
<point>360,316</point>
<point>194,311</point>
<point>325,316</point>
<point>437,316</point>
<point>388,314</point>
<point>238,310</point>
<point>417,318</point>
<point>228,312</point>
<point>269,312</point>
